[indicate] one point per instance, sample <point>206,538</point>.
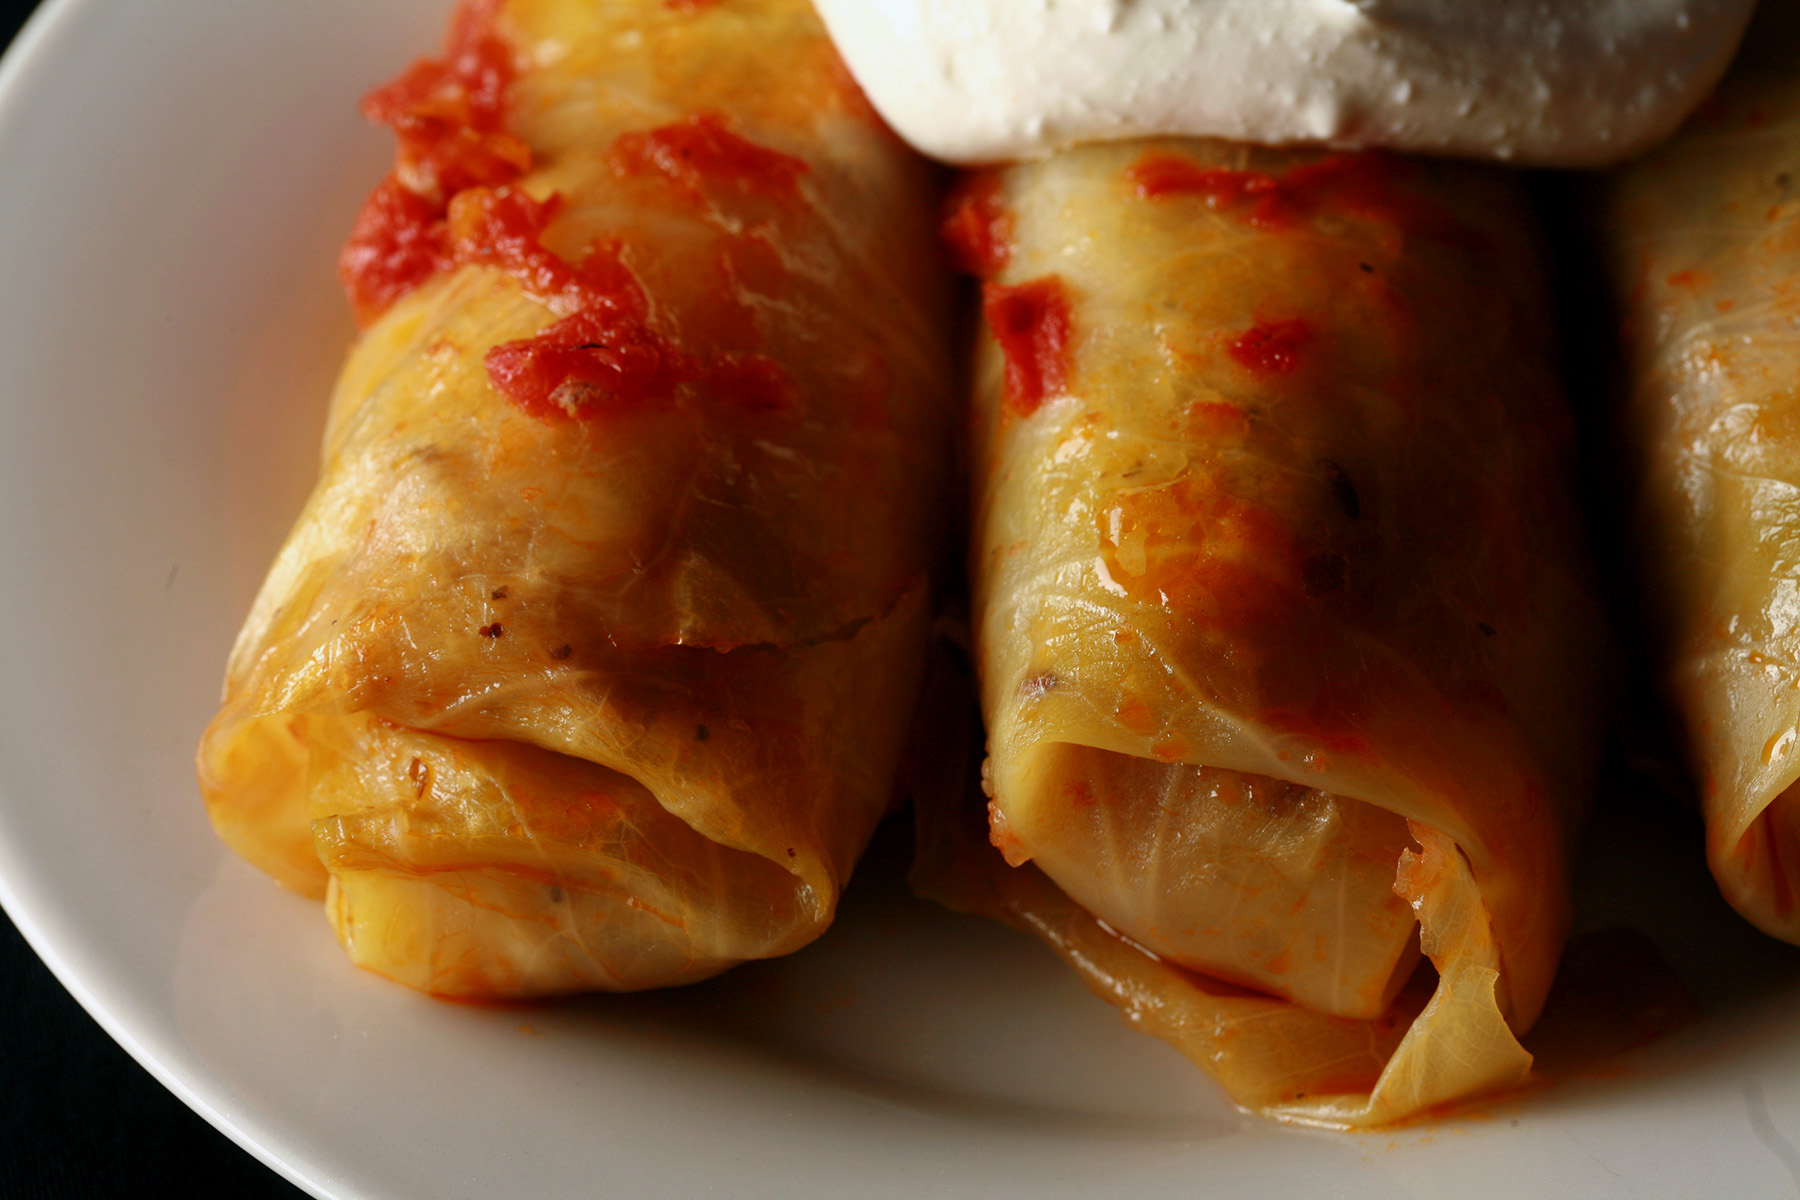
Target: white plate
<point>174,181</point>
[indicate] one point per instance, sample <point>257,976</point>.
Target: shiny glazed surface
<point>1294,507</point>
<point>1705,240</point>
<point>597,679</point>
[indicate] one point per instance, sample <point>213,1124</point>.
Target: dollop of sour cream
<point>1550,82</point>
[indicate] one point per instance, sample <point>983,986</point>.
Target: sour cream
<point>1553,82</point>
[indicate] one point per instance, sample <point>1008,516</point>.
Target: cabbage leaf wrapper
<point>1704,238</point>
<point>589,660</point>
<point>1289,656</point>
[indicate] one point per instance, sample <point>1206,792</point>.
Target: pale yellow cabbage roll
<point>1289,656</point>
<point>589,660</point>
<point>1704,236</point>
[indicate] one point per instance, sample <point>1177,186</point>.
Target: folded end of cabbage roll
<point>253,779</point>
<point>589,660</point>
<point>721,826</point>
<point>1755,857</point>
<point>1277,886</point>
<point>471,868</point>
<point>482,868</point>
<point>1703,236</point>
<point>1442,1038</point>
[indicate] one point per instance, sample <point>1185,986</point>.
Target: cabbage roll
<point>589,659</point>
<point>1704,237</point>
<point>1288,653</point>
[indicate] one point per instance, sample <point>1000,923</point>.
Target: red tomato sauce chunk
<point>1031,322</point>
<point>702,151</point>
<point>1371,186</point>
<point>1271,347</point>
<point>448,116</point>
<point>606,353</point>
<point>978,227</point>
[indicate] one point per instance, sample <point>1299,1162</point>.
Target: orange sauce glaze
<point>1237,569</point>
<point>1233,567</point>
<point>1216,549</point>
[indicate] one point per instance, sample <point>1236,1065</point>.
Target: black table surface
<point>78,1117</point>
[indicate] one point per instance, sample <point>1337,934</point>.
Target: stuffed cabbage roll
<point>1705,241</point>
<point>588,662</point>
<point>1288,655</point>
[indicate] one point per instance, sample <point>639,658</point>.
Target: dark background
<point>78,1117</point>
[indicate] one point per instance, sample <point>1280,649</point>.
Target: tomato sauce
<point>1271,348</point>
<point>978,227</point>
<point>701,152</point>
<point>448,116</point>
<point>398,242</point>
<point>1259,196</point>
<point>1362,185</point>
<point>1031,322</point>
<point>606,353</point>
<point>448,203</point>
